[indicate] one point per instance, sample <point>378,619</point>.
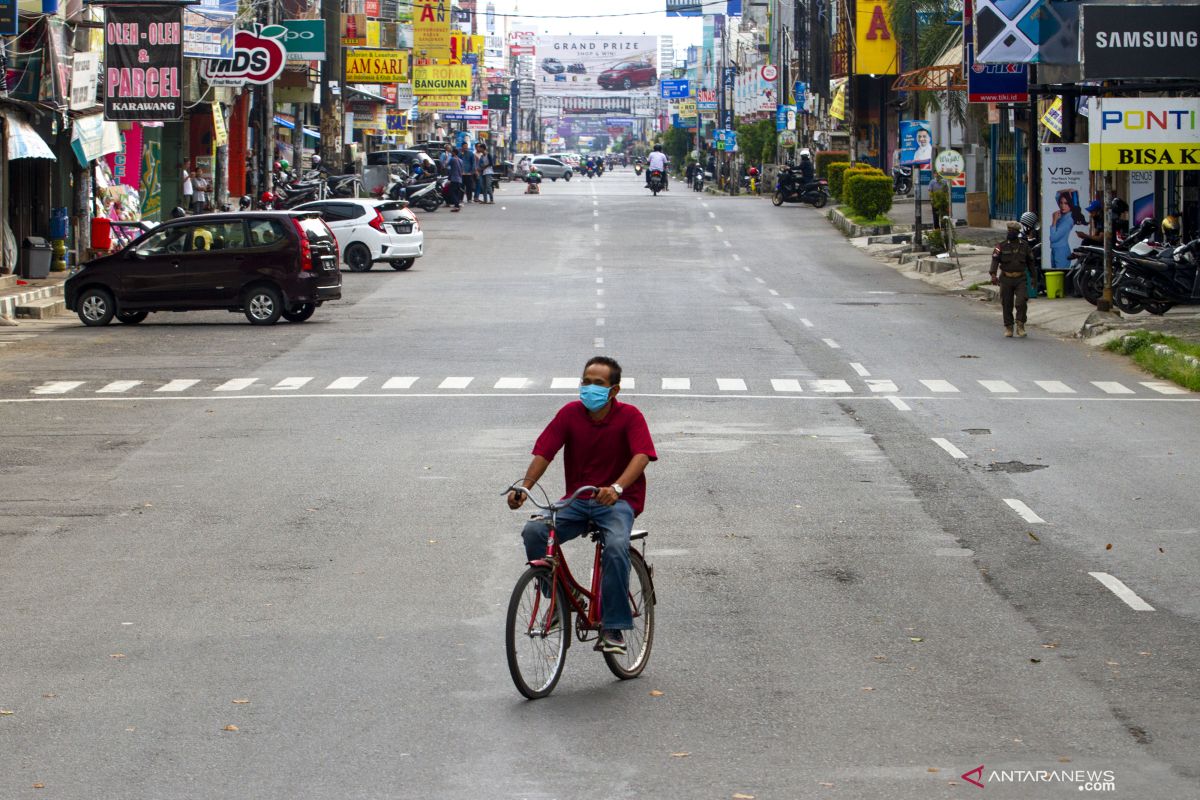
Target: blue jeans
<point>616,521</point>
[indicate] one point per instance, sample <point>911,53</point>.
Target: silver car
<point>552,168</point>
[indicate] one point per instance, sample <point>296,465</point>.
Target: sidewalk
<point>30,298</point>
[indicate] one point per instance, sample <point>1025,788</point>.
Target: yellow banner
<point>1052,119</point>
<point>442,80</point>
<point>377,66</point>
<point>876,52</point>
<point>687,108</point>
<point>435,103</point>
<point>431,28</point>
<point>373,32</point>
<point>220,135</point>
<point>837,106</point>
<point>1149,156</point>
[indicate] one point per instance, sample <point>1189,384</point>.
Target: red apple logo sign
<point>259,56</point>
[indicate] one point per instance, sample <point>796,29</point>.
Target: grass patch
<point>857,219</point>
<point>1163,356</point>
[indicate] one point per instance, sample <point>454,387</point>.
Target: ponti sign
<point>1144,133</point>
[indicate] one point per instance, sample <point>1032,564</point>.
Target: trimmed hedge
<point>833,174</point>
<point>869,194</point>
<point>824,158</point>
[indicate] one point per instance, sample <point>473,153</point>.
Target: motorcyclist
<point>657,161</point>
<point>808,172</point>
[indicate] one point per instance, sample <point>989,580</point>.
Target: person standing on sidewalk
<point>487,169</point>
<point>468,162</point>
<point>1012,266</point>
<point>454,171</point>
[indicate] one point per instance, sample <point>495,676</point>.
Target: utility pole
<point>266,151</point>
<point>917,244</point>
<point>331,79</point>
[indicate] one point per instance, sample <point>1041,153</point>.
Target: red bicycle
<point>539,624</point>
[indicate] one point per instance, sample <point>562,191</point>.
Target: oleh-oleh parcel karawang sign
<point>143,61</point>
<point>1144,133</point>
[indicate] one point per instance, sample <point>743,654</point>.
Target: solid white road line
<point>831,386</point>
<point>998,387</point>
<point>832,344</point>
<point>177,385</point>
<point>236,385</point>
<point>117,387</point>
<point>1112,387</point>
<point>806,323</point>
<point>949,448</point>
<point>786,385</point>
<point>1163,388</point>
<point>940,386</point>
<point>677,384</point>
<point>1117,587</point>
<point>564,383</point>
<point>880,385</point>
<point>731,384</point>
<point>1025,512</point>
<point>455,383</point>
<point>290,383</point>
<point>1055,387</point>
<point>511,383</point>
<point>899,404</point>
<point>860,369</point>
<point>405,382</point>
<point>57,387</point>
<point>346,383</point>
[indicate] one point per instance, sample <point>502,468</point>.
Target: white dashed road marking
<point>773,293</point>
<point>117,387</point>
<point>731,384</point>
<point>806,323</point>
<point>832,344</point>
<point>58,387</point>
<point>181,385</point>
<point>831,386</point>
<point>719,228</point>
<point>899,404</point>
<point>1163,388</point>
<point>290,384</point>
<point>711,215</point>
<point>404,382</point>
<point>511,383</point>
<point>599,322</point>
<point>346,383</point>
<point>998,387</point>
<point>566,383</point>
<point>1117,587</point>
<point>786,385</point>
<point>949,448</point>
<point>880,385</point>
<point>236,385</point>
<point>598,342</point>
<point>736,257</point>
<point>940,386</point>
<point>455,383</point>
<point>677,384</point>
<point>1025,512</point>
<point>1112,387</point>
<point>860,369</point>
<point>789,306</point>
<point>760,280</point>
<point>1055,387</point>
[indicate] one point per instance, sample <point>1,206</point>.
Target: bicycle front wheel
<point>639,640</point>
<point>536,634</point>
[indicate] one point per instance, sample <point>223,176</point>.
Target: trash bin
<point>35,257</point>
<point>1054,284</point>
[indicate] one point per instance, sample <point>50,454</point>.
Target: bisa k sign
<point>1136,133</point>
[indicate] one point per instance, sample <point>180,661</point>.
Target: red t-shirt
<point>598,452</point>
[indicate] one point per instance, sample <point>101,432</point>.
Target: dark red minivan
<point>266,264</point>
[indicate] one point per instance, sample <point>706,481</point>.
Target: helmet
<point>276,166</point>
<point>805,153</point>
<point>658,148</point>
<point>284,165</point>
<point>267,197</point>
<point>316,160</point>
<point>178,212</point>
<point>1029,219</point>
<point>753,171</point>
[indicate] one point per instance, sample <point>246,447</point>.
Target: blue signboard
<point>916,142</point>
<point>800,92</point>
<point>8,17</point>
<point>618,122</point>
<point>785,114</point>
<point>734,8</point>
<point>995,83</point>
<point>673,88</point>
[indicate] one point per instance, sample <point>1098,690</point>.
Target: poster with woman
<point>1065,195</point>
<point>916,142</point>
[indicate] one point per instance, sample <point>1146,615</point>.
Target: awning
<point>24,141</point>
<point>378,98</point>
<point>944,75</point>
<point>287,123</point>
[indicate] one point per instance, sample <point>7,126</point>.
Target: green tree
<point>757,139</point>
<point>933,35</point>
<point>676,142</point>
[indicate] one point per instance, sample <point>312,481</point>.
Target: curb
<point>9,303</point>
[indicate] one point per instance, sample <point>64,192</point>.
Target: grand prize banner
<point>143,62</point>
<point>596,65</point>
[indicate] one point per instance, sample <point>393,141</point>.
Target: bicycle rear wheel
<point>536,636</point>
<point>639,640</point>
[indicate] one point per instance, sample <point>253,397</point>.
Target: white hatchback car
<point>370,231</point>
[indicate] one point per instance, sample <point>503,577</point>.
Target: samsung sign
<point>1155,42</point>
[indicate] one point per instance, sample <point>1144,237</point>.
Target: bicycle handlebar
<point>556,505</point>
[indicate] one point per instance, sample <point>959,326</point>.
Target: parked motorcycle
<point>902,180</point>
<point>790,189</point>
<point>657,181</point>
<point>1158,283</point>
<point>1087,275</point>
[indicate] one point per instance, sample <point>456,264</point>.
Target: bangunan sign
<point>258,57</point>
<point>143,62</point>
<point>437,80</point>
<point>1144,133</point>
<point>877,52</point>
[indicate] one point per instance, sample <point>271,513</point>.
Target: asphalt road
<point>874,524</point>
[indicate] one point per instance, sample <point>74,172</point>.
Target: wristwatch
<point>616,487</point>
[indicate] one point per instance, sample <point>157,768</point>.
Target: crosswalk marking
<point>786,385</point>
<point>628,383</point>
<point>118,387</point>
<point>58,387</point>
<point>179,385</point>
<point>511,383</point>
<point>346,383</point>
<point>288,384</point>
<point>949,447</point>
<point>236,385</point>
<point>879,385</point>
<point>860,369</point>
<point>1112,387</point>
<point>1163,388</point>
<point>998,387</point>
<point>831,387</point>
<point>455,383</point>
<point>1055,387</point>
<point>566,383</point>
<point>731,384</point>
<point>940,386</point>
<point>677,384</point>
<point>399,383</point>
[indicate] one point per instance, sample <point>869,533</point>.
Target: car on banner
<point>553,66</point>
<point>629,75</point>
<point>577,69</point>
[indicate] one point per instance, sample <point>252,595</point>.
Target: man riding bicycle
<point>607,444</point>
<point>657,161</point>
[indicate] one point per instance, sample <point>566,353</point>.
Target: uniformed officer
<point>1012,262</point>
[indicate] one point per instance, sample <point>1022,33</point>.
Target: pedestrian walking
<point>487,172</point>
<point>1012,266</point>
<point>454,170</point>
<point>468,162</point>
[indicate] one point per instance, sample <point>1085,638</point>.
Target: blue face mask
<point>594,397</point>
